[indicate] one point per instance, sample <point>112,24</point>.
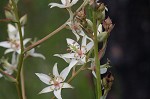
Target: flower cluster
<point>79,52</point>
<point>82,51</point>
<point>13,43</point>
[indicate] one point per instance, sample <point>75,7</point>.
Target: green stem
<point>21,56</point>
<point>22,84</point>
<point>97,62</point>
<point>19,91</point>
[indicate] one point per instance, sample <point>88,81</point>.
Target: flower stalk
<point>97,62</point>
<point>21,56</point>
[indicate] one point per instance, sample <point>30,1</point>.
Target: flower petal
<point>72,63</point>
<point>88,38</point>
<point>89,46</point>
<point>66,85</point>
<point>99,29</point>
<point>64,2</point>
<point>18,51</point>
<point>55,70</point>
<point>22,29</point>
<point>72,42</point>
<point>12,31</point>
<point>77,36</point>
<point>8,51</point>
<point>5,44</point>
<point>14,59</point>
<point>31,51</point>
<point>83,41</point>
<point>44,78</point>
<point>94,74</point>
<point>17,34</point>
<point>68,55</point>
<point>68,60</point>
<point>25,41</point>
<point>47,89</point>
<point>83,60</point>
<point>82,32</point>
<point>73,2</point>
<point>38,55</point>
<point>57,93</point>
<point>57,5</point>
<point>103,70</point>
<point>64,73</point>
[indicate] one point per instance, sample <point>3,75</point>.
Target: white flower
<point>55,81</point>
<point>77,56</point>
<point>10,67</point>
<point>65,4</point>
<point>103,68</point>
<point>13,43</point>
<point>33,54</point>
<point>77,30</point>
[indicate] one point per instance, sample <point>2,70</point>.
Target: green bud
<point>9,15</point>
<point>102,36</point>
<point>23,19</point>
<point>89,22</point>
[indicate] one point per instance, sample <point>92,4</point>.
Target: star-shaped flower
<point>55,81</point>
<point>13,43</point>
<point>77,56</point>
<point>77,30</point>
<point>65,4</point>
<point>10,67</point>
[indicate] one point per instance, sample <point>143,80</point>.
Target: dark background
<point>128,49</point>
<point>130,38</point>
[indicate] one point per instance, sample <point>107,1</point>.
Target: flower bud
<point>9,15</point>
<point>101,7</point>
<point>101,11</point>
<point>108,81</point>
<point>107,24</point>
<point>89,22</point>
<point>23,19</point>
<point>81,14</point>
<point>102,36</point>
